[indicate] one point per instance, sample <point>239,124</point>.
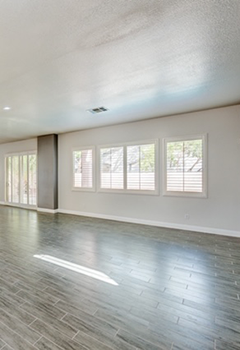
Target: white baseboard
<point>202,229</point>
<point>20,206</point>
<point>50,211</point>
<point>210,230</point>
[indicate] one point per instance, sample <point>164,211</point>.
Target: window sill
<point>202,195</point>
<point>81,189</point>
<point>132,192</point>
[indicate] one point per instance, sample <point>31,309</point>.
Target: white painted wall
<point>219,213</point>
<point>7,148</point>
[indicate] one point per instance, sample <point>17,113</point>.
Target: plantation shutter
<point>141,167</point>
<point>112,168</point>
<point>185,166</point>
<point>83,168</point>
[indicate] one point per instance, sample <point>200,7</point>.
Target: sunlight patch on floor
<point>77,268</point>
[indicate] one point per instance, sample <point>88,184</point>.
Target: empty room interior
<point>120,175</point>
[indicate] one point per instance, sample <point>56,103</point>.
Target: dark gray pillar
<point>48,172</point>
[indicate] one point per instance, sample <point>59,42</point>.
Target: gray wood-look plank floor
<point>173,289</point>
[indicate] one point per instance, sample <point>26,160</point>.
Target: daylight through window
<point>184,166</point>
<point>83,168</point>
<point>129,167</point>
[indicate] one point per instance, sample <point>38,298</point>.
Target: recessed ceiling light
<point>97,110</point>
<point>7,108</point>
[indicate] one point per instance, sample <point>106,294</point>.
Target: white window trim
<point>22,153</point>
<point>202,194</point>
<point>84,189</point>
<point>125,190</point>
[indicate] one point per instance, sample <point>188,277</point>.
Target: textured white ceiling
<point>139,58</point>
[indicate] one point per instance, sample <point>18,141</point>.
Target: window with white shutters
<point>83,169</point>
<point>111,164</point>
<point>128,168</point>
<point>185,166</point>
<point>141,167</point>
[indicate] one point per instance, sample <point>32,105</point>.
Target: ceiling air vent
<point>97,110</point>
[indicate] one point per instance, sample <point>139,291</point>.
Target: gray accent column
<point>48,172</point>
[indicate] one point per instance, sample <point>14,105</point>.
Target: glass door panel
<point>15,179</point>
<point>9,179</point>
<point>32,179</point>
<point>24,179</point>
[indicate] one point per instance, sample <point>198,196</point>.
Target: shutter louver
<point>83,168</point>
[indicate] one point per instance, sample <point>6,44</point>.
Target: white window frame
<point>202,194</point>
<point>84,189</point>
<point>125,190</point>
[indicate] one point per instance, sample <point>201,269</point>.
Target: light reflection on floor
<point>77,268</point>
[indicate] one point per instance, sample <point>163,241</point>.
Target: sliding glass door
<point>32,179</point>
<point>21,179</point>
